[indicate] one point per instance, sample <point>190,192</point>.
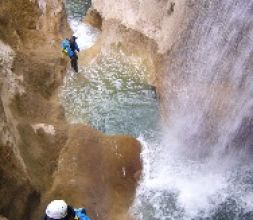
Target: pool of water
<point>111,95</point>
<point>76,9</point>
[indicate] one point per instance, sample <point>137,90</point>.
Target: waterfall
<point>85,33</point>
<point>200,168</point>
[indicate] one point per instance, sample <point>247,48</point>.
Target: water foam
<point>201,167</point>
<point>85,33</point>
<point>175,188</point>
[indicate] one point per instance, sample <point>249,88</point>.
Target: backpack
<point>65,45</point>
<point>81,214</point>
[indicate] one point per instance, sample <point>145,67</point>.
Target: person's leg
<point>75,64</point>
<point>72,61</point>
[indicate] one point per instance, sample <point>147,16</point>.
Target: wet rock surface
<point>97,172</point>
<point>37,141</point>
<point>206,99</point>
<point>93,18</point>
<point>161,21</point>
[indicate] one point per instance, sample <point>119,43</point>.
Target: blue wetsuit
<point>72,48</point>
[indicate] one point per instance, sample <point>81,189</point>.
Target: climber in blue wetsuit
<point>59,210</point>
<point>71,48</point>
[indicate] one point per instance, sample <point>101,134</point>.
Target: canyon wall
<point>149,29</point>
<point>42,156</point>
<point>163,20</point>
<point>38,147</point>
<point>206,62</point>
<point>21,70</point>
<point>205,87</point>
<point>184,43</point>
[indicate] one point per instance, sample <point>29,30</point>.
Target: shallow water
<point>111,95</point>
<point>76,9</point>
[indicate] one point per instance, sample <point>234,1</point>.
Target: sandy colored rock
<point>97,172</point>
<point>116,36</point>
<point>93,18</point>
<point>25,164</point>
<point>162,21</point>
<point>14,180</point>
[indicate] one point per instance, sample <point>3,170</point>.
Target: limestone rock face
<point>25,162</point>
<point>16,20</point>
<point>201,67</point>
<point>25,22</point>
<point>27,152</point>
<point>158,20</point>
<point>93,18</point>
<point>15,185</point>
<point>97,172</point>
<point>52,19</point>
<point>42,157</point>
<point>149,29</point>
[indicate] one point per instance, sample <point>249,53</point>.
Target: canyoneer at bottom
<point>59,210</point>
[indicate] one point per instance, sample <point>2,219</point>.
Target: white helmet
<point>57,209</point>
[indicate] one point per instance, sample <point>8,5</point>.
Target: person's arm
<point>76,47</point>
<point>71,212</point>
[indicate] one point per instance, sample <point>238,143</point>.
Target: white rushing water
<point>85,33</point>
<point>201,166</point>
